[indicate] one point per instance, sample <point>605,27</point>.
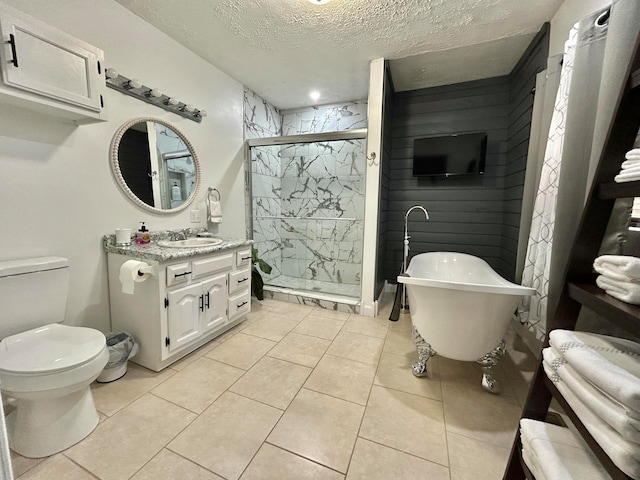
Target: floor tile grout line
<point>74,462</point>
<point>364,413</point>
<point>448,467</point>
<point>303,457</point>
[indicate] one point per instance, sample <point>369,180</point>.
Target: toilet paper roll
<point>132,272</point>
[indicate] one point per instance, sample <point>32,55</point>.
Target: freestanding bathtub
<point>460,309</point>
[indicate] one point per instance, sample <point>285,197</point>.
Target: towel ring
<point>217,194</point>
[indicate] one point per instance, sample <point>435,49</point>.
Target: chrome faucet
<point>406,247</point>
<point>178,235</point>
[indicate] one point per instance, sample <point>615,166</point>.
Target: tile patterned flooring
<point>298,392</point>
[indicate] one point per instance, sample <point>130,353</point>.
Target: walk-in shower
<point>308,212</point>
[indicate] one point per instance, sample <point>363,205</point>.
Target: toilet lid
<point>50,349</point>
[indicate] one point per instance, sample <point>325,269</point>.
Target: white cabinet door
<point>183,311</point>
<point>215,302</point>
<point>44,60</point>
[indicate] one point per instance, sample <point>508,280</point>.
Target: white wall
<point>57,193</point>
<point>569,13</point>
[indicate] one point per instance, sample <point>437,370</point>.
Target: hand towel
<point>633,153</point>
<point>215,211</point>
<point>557,453</point>
<point>611,364</point>
<point>619,264</point>
<point>623,454</point>
<point>626,291</point>
<point>602,405</point>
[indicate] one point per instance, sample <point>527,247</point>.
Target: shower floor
<point>317,286</point>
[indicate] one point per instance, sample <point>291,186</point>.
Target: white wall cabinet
<point>49,71</point>
<point>184,305</point>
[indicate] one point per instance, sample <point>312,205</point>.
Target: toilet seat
<point>50,349</point>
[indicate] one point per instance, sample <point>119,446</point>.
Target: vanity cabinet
<point>49,71</point>
<point>185,304</point>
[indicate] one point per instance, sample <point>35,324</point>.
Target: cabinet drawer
<point>178,273</point>
<point>211,265</point>
<point>240,304</point>
<point>239,279</point>
<point>243,257</point>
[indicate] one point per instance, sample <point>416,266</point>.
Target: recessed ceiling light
<point>315,95</point>
<point>319,2</point>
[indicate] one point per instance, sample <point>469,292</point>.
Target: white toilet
<point>46,367</point>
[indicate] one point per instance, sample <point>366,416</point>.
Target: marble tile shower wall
<point>261,119</point>
<point>308,199</point>
<point>325,118</point>
<point>266,205</point>
<point>311,216</point>
<point>323,204</point>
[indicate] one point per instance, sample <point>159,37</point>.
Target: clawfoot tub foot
<point>490,360</point>
<point>425,352</point>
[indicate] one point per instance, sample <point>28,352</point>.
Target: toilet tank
<point>33,293</point>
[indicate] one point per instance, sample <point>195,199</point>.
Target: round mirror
<point>155,165</point>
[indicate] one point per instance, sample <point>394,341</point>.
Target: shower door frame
<point>355,134</point>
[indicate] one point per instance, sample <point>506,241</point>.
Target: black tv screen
<point>448,155</point>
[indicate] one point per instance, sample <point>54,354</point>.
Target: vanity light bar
<point>134,88</point>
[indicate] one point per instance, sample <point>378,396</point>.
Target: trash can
<point>122,347</point>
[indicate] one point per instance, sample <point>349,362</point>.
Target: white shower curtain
<point>533,310</point>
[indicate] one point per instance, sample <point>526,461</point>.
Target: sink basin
<point>190,243</point>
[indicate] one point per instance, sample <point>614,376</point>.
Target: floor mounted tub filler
<point>460,309</point>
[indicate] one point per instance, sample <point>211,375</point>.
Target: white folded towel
<point>602,405</point>
<point>215,211</point>
<point>531,462</point>
<point>626,291</point>
<point>626,177</point>
<point>629,165</point>
<point>635,152</point>
<point>558,454</point>
<point>611,364</point>
<point>623,454</point>
<point>630,168</point>
<point>625,265</point>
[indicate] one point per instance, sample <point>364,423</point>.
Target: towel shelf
<point>579,281</point>
<point>622,314</point>
<point>610,191</point>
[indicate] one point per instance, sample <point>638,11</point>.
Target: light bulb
<point>188,108</point>
<point>319,2</point>
<point>133,83</point>
<point>202,113</point>
<point>111,73</point>
<point>315,95</point>
<point>154,92</point>
<point>171,101</point>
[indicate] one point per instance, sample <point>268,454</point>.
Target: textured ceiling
<point>283,49</point>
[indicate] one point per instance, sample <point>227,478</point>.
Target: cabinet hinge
<point>166,341</point>
<point>166,302</point>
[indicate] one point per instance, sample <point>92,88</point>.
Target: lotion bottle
<point>142,235</point>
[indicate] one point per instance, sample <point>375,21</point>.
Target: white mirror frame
<point>115,165</point>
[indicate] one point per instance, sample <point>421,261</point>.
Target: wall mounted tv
<point>448,155</point>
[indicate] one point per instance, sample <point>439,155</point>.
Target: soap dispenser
<point>142,235</point>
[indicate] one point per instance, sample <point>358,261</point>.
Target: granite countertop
<point>152,251</point>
